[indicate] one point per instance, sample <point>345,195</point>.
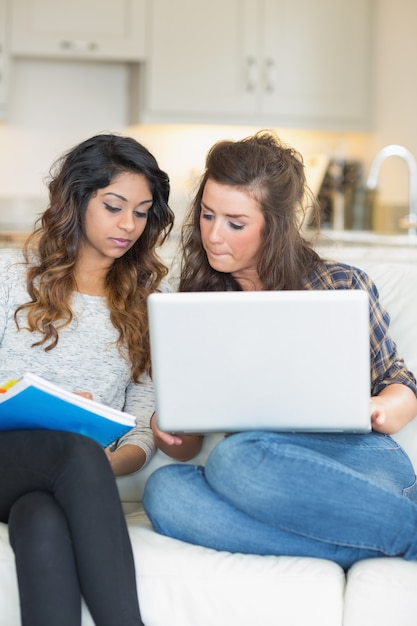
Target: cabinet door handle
<point>252,74</point>
<point>78,44</point>
<point>270,75</point>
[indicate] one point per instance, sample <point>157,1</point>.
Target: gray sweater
<point>85,359</point>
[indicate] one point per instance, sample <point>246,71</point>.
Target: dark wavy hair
<point>273,174</point>
<point>51,250</point>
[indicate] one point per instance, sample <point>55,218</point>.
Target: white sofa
<point>185,585</point>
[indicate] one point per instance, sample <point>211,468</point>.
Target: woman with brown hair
<point>73,310</point>
<point>343,497</point>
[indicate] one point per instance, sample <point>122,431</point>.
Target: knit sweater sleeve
<point>140,403</point>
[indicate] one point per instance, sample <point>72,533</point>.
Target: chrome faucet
<point>408,221</point>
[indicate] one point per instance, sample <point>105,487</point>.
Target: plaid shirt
<point>387,367</point>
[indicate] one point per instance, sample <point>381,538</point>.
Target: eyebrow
<point>238,215</point>
<point>120,197</point>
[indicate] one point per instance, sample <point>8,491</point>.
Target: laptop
<point>267,360</point>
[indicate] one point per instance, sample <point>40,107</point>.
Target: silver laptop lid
<point>290,360</point>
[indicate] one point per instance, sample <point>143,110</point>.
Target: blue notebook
<point>34,403</point>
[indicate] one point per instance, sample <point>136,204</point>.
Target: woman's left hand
<point>180,447</point>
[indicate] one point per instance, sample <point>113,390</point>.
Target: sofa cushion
<point>9,602</point>
<point>187,585</point>
<point>381,592</point>
<point>184,584</point>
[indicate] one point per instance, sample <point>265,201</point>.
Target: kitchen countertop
<point>12,238</point>
<point>364,248</point>
<point>362,237</point>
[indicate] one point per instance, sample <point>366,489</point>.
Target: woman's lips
<point>121,243</point>
<point>216,254</point>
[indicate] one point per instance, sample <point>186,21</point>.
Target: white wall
<point>395,91</point>
<point>55,105</point>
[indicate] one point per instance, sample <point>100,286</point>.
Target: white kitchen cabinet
<point>87,29</point>
<point>317,60</point>
<point>265,62</point>
<point>199,59</point>
<point>4,60</point>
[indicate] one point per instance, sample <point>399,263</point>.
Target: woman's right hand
<point>179,447</point>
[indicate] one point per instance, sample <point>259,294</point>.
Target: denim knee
<point>160,489</point>
<point>167,494</point>
<point>233,458</point>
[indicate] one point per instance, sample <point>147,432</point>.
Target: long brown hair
<point>274,174</point>
<point>51,250</point>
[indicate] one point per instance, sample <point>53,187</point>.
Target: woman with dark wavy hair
<point>73,310</point>
<point>343,497</point>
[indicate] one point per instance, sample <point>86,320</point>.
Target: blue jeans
<point>338,497</point>
<point>67,529</point>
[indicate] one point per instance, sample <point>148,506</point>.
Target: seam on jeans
<point>407,491</point>
<point>345,544</point>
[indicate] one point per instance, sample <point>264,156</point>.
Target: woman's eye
<point>112,209</point>
<point>141,214</point>
<point>236,226</point>
<point>207,216</point>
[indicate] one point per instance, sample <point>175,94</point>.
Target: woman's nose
<point>215,232</point>
<point>127,222</point>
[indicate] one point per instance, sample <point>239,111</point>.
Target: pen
<point>5,386</point>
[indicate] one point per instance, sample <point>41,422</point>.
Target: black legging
<point>67,529</point>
